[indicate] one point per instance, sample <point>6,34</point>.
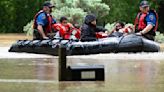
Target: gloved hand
<point>139,33</point>
<point>45,38</point>
<point>73,37</point>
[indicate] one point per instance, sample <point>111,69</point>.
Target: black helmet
<point>144,4</point>
<point>48,3</point>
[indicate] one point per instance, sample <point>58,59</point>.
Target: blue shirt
<point>151,19</point>
<point>42,20</point>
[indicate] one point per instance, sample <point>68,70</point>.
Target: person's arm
<point>147,29</point>
<point>100,29</point>
<point>85,34</point>
<point>41,21</point>
<point>40,30</point>
<point>70,26</point>
<point>151,22</point>
<point>109,33</point>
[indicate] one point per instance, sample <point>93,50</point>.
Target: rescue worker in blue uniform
<point>43,22</point>
<point>146,22</point>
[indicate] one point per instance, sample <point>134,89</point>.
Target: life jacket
<point>67,31</point>
<point>76,32</point>
<point>48,27</point>
<point>101,35</point>
<point>140,22</point>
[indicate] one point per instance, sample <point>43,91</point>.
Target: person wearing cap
<point>89,28</point>
<point>146,22</point>
<point>43,22</point>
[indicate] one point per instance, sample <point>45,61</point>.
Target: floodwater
<point>134,72</point>
<point>121,75</point>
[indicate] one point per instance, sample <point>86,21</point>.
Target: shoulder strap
<point>156,15</point>
<point>35,17</point>
<point>137,20</point>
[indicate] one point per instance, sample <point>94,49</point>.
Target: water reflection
<point>41,69</point>
<point>46,69</point>
<point>120,76</point>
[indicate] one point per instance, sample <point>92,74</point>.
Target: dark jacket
<point>88,31</point>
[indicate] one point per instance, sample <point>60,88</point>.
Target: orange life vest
<point>67,31</point>
<point>101,35</point>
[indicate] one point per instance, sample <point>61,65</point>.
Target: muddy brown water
<point>41,75</point>
<point>22,72</point>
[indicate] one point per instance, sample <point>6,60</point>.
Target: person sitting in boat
<point>43,22</point>
<point>89,28</point>
<point>120,29</point>
<point>146,22</point>
<point>66,30</point>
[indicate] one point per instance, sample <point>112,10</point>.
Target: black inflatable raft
<point>129,43</point>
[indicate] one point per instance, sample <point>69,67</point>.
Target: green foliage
<point>76,10</point>
<point>122,10</point>
<point>159,37</point>
<point>74,15</point>
<point>109,26</point>
<point>161,14</point>
<point>6,20</point>
<point>126,10</point>
<point>16,13</point>
<point>28,27</point>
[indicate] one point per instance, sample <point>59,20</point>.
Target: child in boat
<point>66,30</point>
